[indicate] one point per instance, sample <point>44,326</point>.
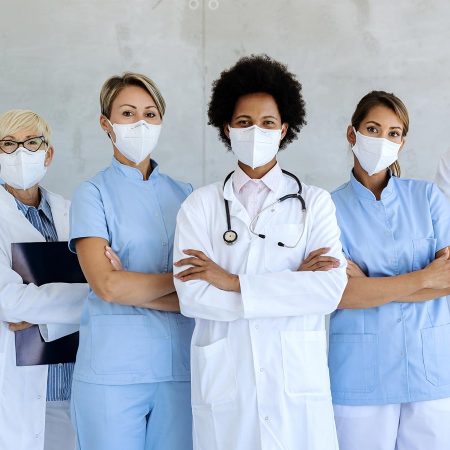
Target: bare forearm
<point>425,294</point>
<point>133,288</point>
<point>368,292</point>
<point>167,303</point>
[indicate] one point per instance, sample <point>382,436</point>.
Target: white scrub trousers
<point>405,426</point>
<point>59,432</point>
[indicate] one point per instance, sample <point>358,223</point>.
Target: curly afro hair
<point>258,73</point>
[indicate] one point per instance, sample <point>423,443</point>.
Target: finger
<point>318,252</point>
<point>197,253</point>
<point>194,276</point>
<point>327,259</point>
<point>189,262</point>
<point>116,266</point>
<point>321,265</point>
<point>189,271</point>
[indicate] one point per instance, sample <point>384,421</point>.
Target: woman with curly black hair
<point>259,366</point>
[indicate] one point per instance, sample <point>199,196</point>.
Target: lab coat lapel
<point>13,215</point>
<point>60,212</point>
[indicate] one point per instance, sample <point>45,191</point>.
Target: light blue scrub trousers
<point>150,416</point>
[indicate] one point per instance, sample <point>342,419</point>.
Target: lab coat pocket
<point>279,258</point>
<point>305,362</point>
<point>213,374</point>
<point>436,354</point>
<point>353,361</point>
<point>424,251</point>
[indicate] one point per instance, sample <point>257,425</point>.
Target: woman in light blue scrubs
<point>389,352</point>
<point>131,387</point>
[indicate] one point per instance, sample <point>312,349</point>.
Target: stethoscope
<point>230,236</point>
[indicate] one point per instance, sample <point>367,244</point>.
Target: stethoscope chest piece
<point>230,237</point>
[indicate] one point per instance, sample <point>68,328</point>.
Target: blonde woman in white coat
<point>29,213</point>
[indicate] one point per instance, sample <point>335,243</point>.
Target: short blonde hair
<point>116,83</point>
<point>19,119</point>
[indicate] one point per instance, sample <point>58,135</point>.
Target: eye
<point>394,134</point>
<point>150,115</point>
<point>127,113</point>
<point>269,123</point>
<point>243,123</point>
<point>8,143</point>
<point>372,129</point>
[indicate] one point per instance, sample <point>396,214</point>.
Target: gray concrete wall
<point>55,55</point>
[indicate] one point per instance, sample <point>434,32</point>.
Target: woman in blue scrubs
<point>389,352</point>
<point>131,385</point>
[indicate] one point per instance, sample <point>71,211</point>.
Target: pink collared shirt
<point>252,193</point>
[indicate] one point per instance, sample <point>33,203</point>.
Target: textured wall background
<point>55,55</point>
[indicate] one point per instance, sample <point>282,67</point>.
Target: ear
<point>284,129</point>
<point>49,156</point>
<point>351,137</point>
<point>226,129</point>
<point>105,124</point>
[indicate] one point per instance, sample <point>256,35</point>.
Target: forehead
<point>384,116</point>
<point>22,134</point>
<point>133,95</point>
<point>259,103</point>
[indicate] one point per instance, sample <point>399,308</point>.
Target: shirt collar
<point>271,179</point>
<point>43,206</point>
<point>133,172</point>
<point>362,191</point>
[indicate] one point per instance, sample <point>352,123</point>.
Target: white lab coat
<point>56,306</point>
<point>259,358</point>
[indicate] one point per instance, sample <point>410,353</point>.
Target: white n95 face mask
<point>375,154</point>
<point>22,169</point>
<point>136,140</point>
<point>254,146</point>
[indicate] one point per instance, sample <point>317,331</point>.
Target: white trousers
<point>59,433</point>
<point>406,426</point>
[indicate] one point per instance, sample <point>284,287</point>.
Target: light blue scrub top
<point>398,352</point>
<point>123,344</point>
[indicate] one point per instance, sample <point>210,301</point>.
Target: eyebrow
<point>11,138</point>
<point>379,125</point>
<point>134,107</point>
<point>246,115</point>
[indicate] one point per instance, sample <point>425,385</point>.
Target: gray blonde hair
<point>20,119</point>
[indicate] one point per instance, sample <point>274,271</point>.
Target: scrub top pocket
<point>125,344</point>
<point>436,354</point>
<point>353,361</point>
<point>305,362</point>
<point>424,251</point>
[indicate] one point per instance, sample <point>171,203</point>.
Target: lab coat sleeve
<point>198,298</point>
<point>51,332</point>
<point>53,303</point>
<point>293,293</point>
<point>443,174</point>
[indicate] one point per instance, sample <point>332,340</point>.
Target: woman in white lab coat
<point>258,355</point>
<point>25,154</point>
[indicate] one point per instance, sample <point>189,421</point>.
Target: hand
<point>437,273</point>
<point>316,262</point>
<point>207,270</point>
<point>113,258</point>
<point>353,270</point>
<point>19,326</point>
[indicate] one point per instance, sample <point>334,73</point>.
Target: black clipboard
<point>41,263</point>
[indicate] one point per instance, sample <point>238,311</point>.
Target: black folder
<point>42,263</point>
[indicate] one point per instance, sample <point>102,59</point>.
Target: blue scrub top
<point>122,344</point>
<point>397,352</point>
